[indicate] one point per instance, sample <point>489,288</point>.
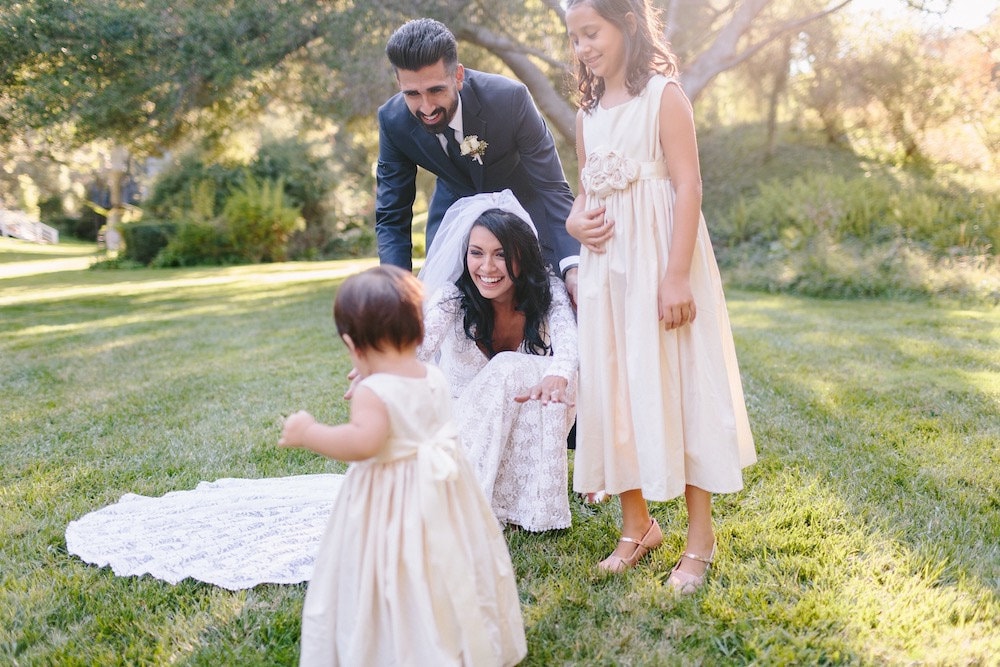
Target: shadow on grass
<point>888,410</point>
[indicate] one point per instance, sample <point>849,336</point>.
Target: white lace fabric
<point>233,533</point>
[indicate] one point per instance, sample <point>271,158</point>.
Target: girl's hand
<point>552,389</point>
<point>675,306</point>
<point>294,431</point>
<point>591,228</point>
<point>354,375</point>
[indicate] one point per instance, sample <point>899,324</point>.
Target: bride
<point>502,329</point>
<point>504,334</point>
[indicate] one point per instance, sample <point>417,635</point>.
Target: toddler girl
<point>413,568</point>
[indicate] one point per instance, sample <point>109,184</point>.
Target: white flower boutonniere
<point>473,147</point>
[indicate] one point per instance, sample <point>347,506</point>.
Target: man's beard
<point>441,125</point>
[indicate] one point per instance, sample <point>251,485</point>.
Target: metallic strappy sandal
<point>686,583</point>
<point>652,539</point>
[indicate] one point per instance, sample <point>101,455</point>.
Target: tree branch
<point>550,102</point>
<point>723,53</point>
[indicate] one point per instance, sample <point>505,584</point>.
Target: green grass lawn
<point>869,531</point>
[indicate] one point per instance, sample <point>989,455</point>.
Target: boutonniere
<point>473,147</point>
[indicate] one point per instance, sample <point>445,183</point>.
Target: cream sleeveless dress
<point>656,409</point>
<point>413,569</point>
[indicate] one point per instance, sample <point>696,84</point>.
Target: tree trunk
<point>777,90</point>
<point>116,179</point>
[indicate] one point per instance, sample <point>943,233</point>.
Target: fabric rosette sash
<point>608,171</point>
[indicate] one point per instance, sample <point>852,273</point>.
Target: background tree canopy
<point>144,73</point>
<point>216,83</point>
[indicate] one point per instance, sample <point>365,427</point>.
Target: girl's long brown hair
<point>646,52</point>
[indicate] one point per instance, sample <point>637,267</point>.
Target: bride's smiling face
<point>487,266</point>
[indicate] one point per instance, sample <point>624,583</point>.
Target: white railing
<point>19,225</point>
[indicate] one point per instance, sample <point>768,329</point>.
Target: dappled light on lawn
<point>152,281</point>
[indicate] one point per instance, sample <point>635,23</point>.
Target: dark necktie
<point>454,151</point>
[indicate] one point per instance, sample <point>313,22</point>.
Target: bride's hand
<point>552,389</point>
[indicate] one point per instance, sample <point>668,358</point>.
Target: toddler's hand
<point>591,228</point>
<point>294,431</point>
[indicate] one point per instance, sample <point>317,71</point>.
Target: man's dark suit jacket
<point>521,156</point>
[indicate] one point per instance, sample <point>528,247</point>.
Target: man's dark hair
<point>421,43</point>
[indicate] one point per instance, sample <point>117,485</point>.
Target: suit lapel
<point>473,122</point>
<point>434,153</point>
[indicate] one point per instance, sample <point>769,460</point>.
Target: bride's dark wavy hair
<point>532,293</point>
<point>646,51</point>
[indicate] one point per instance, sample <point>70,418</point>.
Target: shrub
<point>826,268</point>
<point>196,244</point>
<point>86,227</point>
<point>806,205</point>
<point>116,263</point>
<point>259,221</point>
<point>199,187</point>
<point>354,241</point>
<point>144,240</point>
<point>306,180</point>
<point>191,189</point>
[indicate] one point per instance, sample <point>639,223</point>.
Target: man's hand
<point>571,284</point>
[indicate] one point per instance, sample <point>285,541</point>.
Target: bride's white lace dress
<point>233,533</point>
<point>517,450</point>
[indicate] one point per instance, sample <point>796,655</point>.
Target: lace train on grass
<point>233,533</point>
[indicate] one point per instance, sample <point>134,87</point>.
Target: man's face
<point>431,94</point>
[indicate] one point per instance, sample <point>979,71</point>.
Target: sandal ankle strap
<point>702,559</point>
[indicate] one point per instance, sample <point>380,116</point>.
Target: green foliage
<point>191,189</point>
<point>197,189</point>
<point>356,241</point>
<point>138,72</point>
<point>825,235</point>
<point>115,263</point>
<point>869,208</point>
<point>144,240</point>
<point>259,221</point>
<point>306,180</point>
<point>866,534</point>
<point>85,227</point>
<point>204,200</point>
<point>195,244</point>
<point>820,221</point>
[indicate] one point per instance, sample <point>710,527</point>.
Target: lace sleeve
<point>561,324</point>
<point>439,316</point>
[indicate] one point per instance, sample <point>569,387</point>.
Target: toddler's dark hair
<point>380,307</point>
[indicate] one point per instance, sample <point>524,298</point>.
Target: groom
<point>477,133</point>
